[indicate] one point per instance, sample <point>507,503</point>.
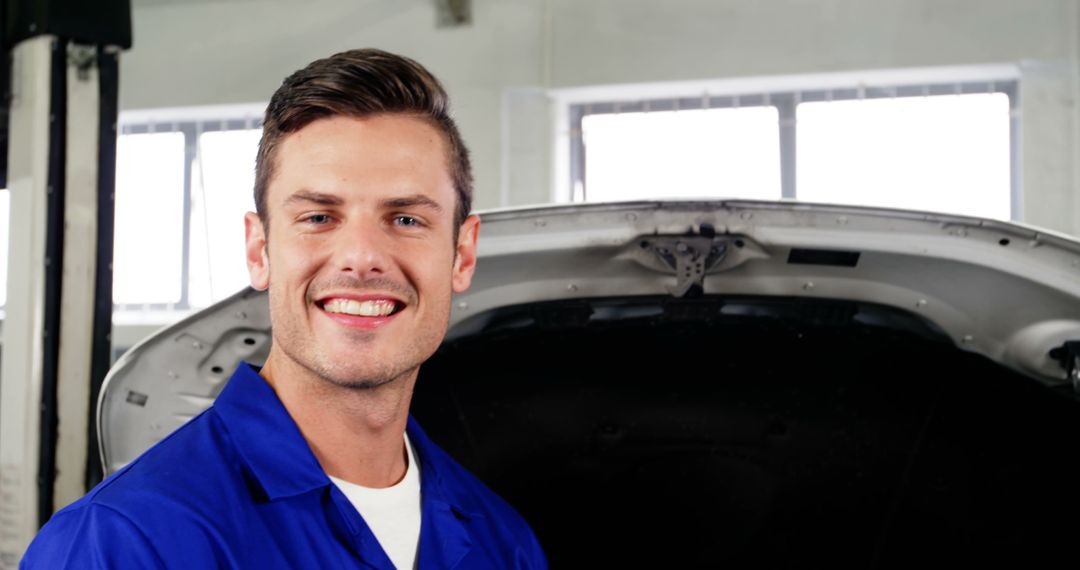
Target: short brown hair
<point>360,83</point>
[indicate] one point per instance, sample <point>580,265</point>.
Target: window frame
<point>192,123</point>
<point>575,107</point>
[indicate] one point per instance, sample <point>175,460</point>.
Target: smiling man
<point>362,234</point>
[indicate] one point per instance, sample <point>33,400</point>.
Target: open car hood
<point>999,291</point>
<point>1003,290</point>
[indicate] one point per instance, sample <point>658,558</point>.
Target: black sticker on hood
<point>823,257</point>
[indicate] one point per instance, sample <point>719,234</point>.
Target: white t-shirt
<point>393,513</point>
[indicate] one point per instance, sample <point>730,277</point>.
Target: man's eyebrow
<point>413,200</point>
<point>315,197</point>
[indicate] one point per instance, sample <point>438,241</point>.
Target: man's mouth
<point>361,308</point>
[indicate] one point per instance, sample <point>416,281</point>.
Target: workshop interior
<point>759,283</point>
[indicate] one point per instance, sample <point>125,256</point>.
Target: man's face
<point>360,258</point>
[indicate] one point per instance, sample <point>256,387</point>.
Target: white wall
<point>621,41</point>
<point>611,41</point>
<point>195,53</point>
<point>202,53</point>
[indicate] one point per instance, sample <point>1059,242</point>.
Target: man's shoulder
<point>178,477</point>
<point>90,534</point>
<point>178,483</point>
<point>195,460</point>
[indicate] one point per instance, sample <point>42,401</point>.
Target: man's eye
<point>318,219</point>
<point>407,221</point>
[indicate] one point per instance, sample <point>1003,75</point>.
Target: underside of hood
<point>1003,290</point>
<point>755,432</point>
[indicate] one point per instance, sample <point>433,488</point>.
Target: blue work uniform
<point>238,487</point>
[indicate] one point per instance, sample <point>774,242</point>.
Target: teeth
<point>377,308</point>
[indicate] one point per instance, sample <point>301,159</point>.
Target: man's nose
<point>363,249</point>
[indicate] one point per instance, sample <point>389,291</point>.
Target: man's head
<point>362,232</point>
<point>360,83</point>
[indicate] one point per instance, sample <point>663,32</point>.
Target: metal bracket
<point>83,58</point>
<point>691,257</point>
<point>453,13</point>
<point>1068,355</point>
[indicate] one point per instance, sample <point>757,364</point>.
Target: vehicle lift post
<point>61,163</point>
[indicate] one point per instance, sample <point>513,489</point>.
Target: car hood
<point>1003,290</point>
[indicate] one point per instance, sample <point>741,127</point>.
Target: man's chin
<point>360,384</point>
<point>363,378</point>
<point>348,366</point>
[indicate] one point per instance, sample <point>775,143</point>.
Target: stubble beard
<point>288,337</point>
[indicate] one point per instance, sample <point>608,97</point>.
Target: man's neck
<point>357,434</point>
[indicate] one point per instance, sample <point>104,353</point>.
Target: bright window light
<point>713,153</point>
<point>149,202</point>
<point>223,178</point>
<point>943,153</point>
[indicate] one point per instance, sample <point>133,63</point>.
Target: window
<point>946,153</point>
<point>188,184</point>
<point>702,152</point>
<point>222,183</point>
<point>182,188</point>
<point>944,147</point>
<point>149,205</point>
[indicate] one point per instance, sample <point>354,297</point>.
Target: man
<point>362,234</point>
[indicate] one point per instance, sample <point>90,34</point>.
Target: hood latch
<point>691,257</point>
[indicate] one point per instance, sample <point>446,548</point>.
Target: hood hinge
<point>1068,355</point>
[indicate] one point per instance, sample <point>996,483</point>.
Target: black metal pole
<point>101,355</point>
<point>53,268</point>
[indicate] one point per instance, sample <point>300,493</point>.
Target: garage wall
<point>196,53</point>
<point>619,41</point>
<point>611,41</point>
<point>202,53</point>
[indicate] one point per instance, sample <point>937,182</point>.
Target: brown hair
<point>359,83</point>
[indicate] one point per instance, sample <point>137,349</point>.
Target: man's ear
<point>258,262</point>
<point>465,254</point>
